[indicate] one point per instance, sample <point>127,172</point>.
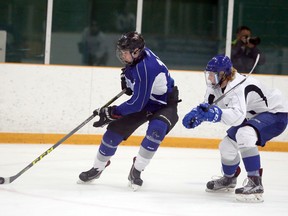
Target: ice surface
<point>174,184</point>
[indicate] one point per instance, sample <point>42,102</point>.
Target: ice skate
<point>223,184</point>
<point>135,181</point>
<point>252,191</point>
<point>90,175</point>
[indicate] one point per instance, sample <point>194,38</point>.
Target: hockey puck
<point>2,180</point>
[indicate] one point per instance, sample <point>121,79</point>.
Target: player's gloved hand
<point>191,119</point>
<point>123,84</point>
<point>212,114</point>
<point>106,115</point>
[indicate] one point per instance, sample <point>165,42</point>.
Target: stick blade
<point>5,180</point>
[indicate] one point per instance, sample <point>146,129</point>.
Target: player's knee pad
<point>109,143</point>
<point>155,134</point>
<point>246,137</point>
<point>228,150</point>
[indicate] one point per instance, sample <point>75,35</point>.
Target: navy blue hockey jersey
<point>150,82</point>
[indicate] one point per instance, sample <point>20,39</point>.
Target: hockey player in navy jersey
<point>154,99</point>
<point>255,113</point>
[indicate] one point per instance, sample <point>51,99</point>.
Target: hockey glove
<point>123,84</point>
<point>191,119</point>
<point>106,115</point>
<point>212,114</point>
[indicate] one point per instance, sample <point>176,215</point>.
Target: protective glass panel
<point>25,22</point>
<point>85,32</point>
<point>267,21</point>
<point>185,34</point>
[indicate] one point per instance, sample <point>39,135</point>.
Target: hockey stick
<point>8,180</point>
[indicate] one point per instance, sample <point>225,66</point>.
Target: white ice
<point>174,184</point>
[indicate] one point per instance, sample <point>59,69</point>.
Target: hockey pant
<point>245,138</point>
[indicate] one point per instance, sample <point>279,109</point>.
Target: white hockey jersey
<point>247,100</point>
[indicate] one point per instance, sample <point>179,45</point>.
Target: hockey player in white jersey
<point>255,113</point>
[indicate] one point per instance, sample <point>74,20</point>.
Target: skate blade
<point>79,181</point>
<point>134,187</point>
<point>250,198</point>
<point>222,190</point>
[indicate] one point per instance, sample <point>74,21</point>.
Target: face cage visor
<point>213,79</point>
<point>120,55</point>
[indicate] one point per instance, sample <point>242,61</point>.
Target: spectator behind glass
<point>93,45</point>
<point>244,51</point>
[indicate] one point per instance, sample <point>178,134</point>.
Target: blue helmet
<point>219,67</point>
<point>220,63</point>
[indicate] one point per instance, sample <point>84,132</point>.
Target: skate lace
<point>220,180</point>
<point>248,183</point>
<point>216,177</point>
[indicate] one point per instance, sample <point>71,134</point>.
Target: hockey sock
<point>141,162</point>
<point>229,171</point>
<point>251,159</point>
<point>109,143</point>
<point>155,134</point>
<point>107,149</point>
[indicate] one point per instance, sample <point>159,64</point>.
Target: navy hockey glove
<point>106,115</point>
<point>212,114</point>
<point>123,84</point>
<point>191,119</point>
